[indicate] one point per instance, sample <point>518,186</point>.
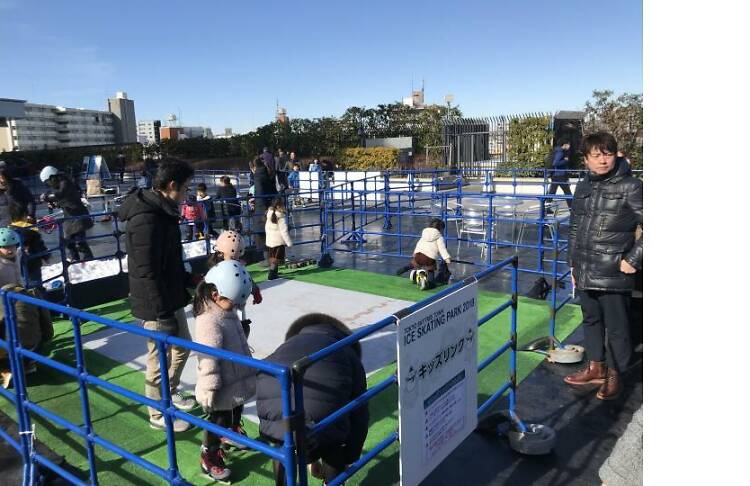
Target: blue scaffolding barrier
<point>508,386</point>
<point>398,198</point>
<point>25,407</point>
<point>290,454</point>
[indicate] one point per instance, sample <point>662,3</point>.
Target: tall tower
<point>281,115</point>
<point>123,110</point>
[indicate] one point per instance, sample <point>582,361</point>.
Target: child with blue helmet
<point>222,387</point>
<point>10,268</point>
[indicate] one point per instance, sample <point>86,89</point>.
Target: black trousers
<point>606,326</point>
<point>222,418</point>
<point>561,182</point>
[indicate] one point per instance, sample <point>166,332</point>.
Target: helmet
<point>48,172</point>
<point>231,244</point>
<point>231,280</point>
<point>8,237</point>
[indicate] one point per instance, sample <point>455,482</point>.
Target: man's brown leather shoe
<point>612,386</point>
<point>593,374</point>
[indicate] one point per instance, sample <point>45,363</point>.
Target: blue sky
<point>224,64</point>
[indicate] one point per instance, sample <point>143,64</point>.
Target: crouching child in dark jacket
<point>34,329</point>
<point>328,384</point>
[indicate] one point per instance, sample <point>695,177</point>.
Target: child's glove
<point>257,297</point>
<point>246,327</point>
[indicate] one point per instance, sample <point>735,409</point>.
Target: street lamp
<point>448,101</point>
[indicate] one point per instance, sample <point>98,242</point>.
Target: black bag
<point>539,290</point>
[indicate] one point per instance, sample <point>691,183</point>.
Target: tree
<point>529,141</point>
<point>622,117</point>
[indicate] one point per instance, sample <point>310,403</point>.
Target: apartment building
<point>148,131</point>
<point>32,126</point>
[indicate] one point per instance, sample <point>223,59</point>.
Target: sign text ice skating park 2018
<point>437,376</point>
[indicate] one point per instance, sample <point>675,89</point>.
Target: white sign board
<point>437,377</point>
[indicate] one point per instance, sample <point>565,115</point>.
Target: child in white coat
<point>424,264</point>
<point>277,236</point>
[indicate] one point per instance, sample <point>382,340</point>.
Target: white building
<point>195,132</point>
<point>416,100</point>
<point>227,134</point>
<point>148,131</point>
<point>31,126</point>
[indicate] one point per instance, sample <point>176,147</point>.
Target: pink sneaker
<point>212,464</point>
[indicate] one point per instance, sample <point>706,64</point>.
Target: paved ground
<point>279,311</point>
<point>586,428</point>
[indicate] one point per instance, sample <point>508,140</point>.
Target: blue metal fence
<point>25,407</point>
<point>399,199</point>
<point>290,456</point>
<point>508,386</point>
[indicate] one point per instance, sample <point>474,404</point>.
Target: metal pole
<point>19,385</point>
<point>491,217</point>
<point>555,252</point>
<point>166,401</point>
<point>288,415</point>
<point>354,216</point>
<point>300,432</point>
<point>387,201</point>
<point>540,235</point>
<point>83,389</point>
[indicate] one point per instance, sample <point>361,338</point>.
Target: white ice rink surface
<point>283,302</point>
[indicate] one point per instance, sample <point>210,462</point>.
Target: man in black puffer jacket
<point>328,385</point>
<point>157,275</point>
<point>604,257</point>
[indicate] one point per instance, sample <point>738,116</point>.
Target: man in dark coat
<point>66,195</point>
<point>229,205</point>
<point>121,163</point>
<point>149,171</point>
<point>269,161</point>
<point>329,384</point>
<point>16,198</point>
<point>157,276</point>
<point>281,170</point>
<point>559,173</point>
<point>604,257</point>
<point>265,186</point>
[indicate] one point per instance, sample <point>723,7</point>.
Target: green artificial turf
<point>126,424</point>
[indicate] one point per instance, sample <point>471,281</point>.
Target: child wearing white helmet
<point>230,245</point>
<point>222,387</point>
<point>10,268</point>
<point>66,195</point>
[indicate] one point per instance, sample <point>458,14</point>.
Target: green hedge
<point>529,141</point>
<point>375,158</point>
